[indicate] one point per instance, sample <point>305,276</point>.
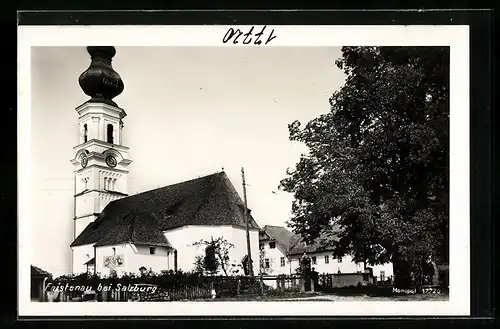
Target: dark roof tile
<point>36,271</point>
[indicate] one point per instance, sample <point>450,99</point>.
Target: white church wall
<point>134,257</point>
<point>183,238</point>
<point>82,223</point>
<point>158,262</point>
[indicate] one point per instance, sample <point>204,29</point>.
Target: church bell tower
<point>100,162</point>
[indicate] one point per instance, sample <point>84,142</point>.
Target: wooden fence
<point>223,286</point>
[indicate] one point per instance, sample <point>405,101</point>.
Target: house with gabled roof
<point>281,250</point>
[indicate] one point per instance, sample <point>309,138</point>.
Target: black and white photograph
<point>322,171</point>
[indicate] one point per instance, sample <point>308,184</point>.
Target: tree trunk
<point>402,273</point>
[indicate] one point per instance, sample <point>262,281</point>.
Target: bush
<point>168,282</point>
<point>444,277</point>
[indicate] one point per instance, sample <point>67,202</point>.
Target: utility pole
<point>249,255</point>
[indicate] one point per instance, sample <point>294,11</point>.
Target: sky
<point>191,112</point>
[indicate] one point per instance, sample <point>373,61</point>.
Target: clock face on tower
<point>83,160</point>
<point>111,161</point>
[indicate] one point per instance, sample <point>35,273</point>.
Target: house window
<point>261,246</point>
<point>382,275</point>
<point>339,259</point>
<point>327,259</point>
<point>152,250</point>
<point>85,131</point>
<point>313,260</point>
<point>282,261</point>
<point>272,244</point>
<point>110,133</point>
<point>266,263</point>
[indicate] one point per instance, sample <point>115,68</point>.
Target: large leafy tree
<point>376,173</point>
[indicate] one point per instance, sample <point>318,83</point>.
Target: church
<point>154,230</point>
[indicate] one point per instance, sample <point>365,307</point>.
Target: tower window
<point>109,131</point>
<point>85,131</point>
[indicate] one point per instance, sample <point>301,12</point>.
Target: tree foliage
<point>376,173</point>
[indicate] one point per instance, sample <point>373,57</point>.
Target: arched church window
<point>114,185</point>
<point>109,130</point>
<point>85,132</point>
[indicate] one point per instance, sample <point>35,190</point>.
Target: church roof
<point>292,243</point>
<point>142,218</point>
<point>90,262</point>
<point>38,272</point>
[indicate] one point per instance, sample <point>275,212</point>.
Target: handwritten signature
<point>249,37</point>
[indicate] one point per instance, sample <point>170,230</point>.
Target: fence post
<point>302,284</point>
